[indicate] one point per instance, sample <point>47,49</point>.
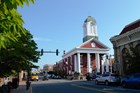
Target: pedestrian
<point>27,84</point>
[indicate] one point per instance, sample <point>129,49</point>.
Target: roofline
<point>95,41</point>
<point>84,43</point>
<point>78,47</point>
<point>132,23</point>
<point>117,37</point>
<point>89,50</point>
<point>130,27</point>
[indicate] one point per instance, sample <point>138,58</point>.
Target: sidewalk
<point>21,89</point>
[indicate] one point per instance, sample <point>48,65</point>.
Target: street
<point>67,86</point>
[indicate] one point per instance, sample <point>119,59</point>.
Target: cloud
<point>41,39</point>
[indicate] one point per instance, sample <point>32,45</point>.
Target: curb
<point>29,90</point>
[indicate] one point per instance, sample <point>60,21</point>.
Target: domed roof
<point>90,18</point>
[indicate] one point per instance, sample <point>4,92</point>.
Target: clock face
<point>93,44</point>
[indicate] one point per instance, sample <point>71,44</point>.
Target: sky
<point>58,24</point>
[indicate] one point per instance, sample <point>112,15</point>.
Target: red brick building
<point>86,57</point>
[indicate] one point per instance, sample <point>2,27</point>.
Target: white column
<point>79,66</point>
<point>98,62</point>
<point>102,66</point>
<point>67,62</point>
<point>75,63</point>
<point>107,65</point>
<point>88,63</point>
<point>71,60</point>
<point>110,64</point>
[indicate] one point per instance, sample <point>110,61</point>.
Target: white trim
<point>85,50</point>
<point>84,43</point>
<point>117,37</point>
<point>128,42</point>
<point>93,40</point>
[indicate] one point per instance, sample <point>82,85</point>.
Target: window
<point>105,75</point>
<point>138,47</point>
<point>81,59</point>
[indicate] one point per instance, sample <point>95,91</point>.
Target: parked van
<point>34,77</point>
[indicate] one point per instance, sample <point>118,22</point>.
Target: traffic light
<point>41,52</point>
<point>106,56</point>
<point>57,52</point>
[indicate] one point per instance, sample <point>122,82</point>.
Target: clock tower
<point>90,29</point>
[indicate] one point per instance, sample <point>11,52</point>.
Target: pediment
<point>93,43</point>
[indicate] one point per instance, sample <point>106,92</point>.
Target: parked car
<point>6,80</point>
<point>57,77</point>
<point>34,77</point>
<point>108,78</point>
<point>132,80</point>
<point>96,75</point>
<point>45,78</point>
<point>89,76</point>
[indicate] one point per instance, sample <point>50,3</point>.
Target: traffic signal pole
<point>42,51</point>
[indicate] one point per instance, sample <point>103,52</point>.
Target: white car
<point>6,80</point>
<point>108,78</point>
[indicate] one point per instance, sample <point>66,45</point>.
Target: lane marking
<point>95,89</point>
<point>107,89</point>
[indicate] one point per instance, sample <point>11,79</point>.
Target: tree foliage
<point>11,23</point>
<point>133,60</point>
<point>17,48</point>
<point>19,55</point>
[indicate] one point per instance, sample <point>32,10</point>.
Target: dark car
<point>89,76</point>
<point>92,76</point>
<point>132,80</point>
<point>45,78</point>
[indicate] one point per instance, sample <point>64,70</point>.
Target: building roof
<point>93,43</point>
<point>90,46</point>
<point>90,18</point>
<point>130,26</point>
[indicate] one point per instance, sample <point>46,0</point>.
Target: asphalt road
<point>67,86</point>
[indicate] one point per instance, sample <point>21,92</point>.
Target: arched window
<point>124,52</point>
<point>138,47</point>
<point>124,59</point>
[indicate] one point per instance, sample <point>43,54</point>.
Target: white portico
<point>86,57</point>
<point>86,60</point>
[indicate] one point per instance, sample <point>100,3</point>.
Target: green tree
<point>11,23</point>
<point>19,55</point>
<point>76,74</point>
<point>133,60</point>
